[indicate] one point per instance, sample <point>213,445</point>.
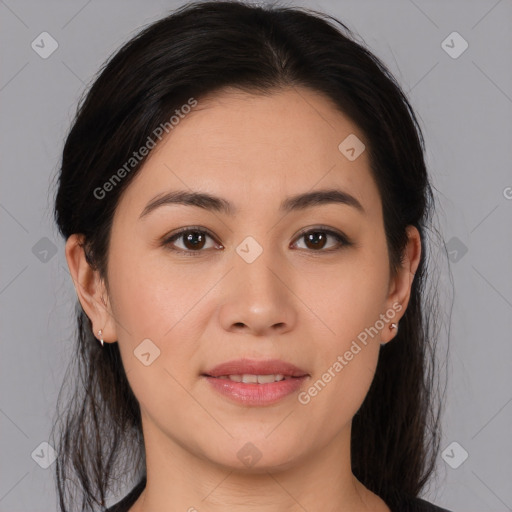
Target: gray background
<point>464,105</point>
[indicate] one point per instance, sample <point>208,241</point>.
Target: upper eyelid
<point>191,229</point>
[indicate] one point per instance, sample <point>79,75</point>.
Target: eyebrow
<point>221,205</point>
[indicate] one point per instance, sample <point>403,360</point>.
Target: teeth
<point>254,379</point>
<point>265,379</point>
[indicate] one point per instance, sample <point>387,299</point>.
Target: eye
<point>316,239</point>
<point>193,241</point>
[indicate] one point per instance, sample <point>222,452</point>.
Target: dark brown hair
<point>196,51</point>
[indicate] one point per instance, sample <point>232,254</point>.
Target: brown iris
<point>196,239</point>
<point>317,239</point>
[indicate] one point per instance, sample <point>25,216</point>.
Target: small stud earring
<point>391,327</point>
<point>100,334</point>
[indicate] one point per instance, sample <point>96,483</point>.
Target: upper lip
<point>255,367</point>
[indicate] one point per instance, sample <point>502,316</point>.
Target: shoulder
<point>125,504</point>
<point>417,505</point>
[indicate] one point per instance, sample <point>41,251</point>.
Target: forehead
<point>250,148</point>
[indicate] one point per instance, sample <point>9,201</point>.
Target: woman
<point>245,204</point>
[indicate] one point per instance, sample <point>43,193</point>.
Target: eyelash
<point>341,239</point>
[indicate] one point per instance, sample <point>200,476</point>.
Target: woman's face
<point>266,279</point>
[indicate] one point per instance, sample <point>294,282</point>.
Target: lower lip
<point>256,394</point>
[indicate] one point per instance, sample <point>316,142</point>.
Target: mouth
<point>248,378</point>
<point>255,383</point>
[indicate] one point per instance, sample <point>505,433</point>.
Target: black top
<point>405,505</point>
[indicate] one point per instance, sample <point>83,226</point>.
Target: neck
<point>189,482</point>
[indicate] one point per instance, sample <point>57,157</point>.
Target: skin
<point>200,311</point>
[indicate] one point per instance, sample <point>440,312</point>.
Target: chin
<point>260,455</point>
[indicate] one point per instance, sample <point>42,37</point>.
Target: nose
<point>258,298</point>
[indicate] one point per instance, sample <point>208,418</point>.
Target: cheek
<point>161,302</point>
<point>348,348</point>
<point>151,294</point>
<point>350,303</point>
<point>344,372</point>
<point>346,362</point>
<point>157,302</point>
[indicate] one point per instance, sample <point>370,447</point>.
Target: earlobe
<point>89,287</point>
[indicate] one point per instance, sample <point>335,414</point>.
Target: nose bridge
<point>257,268</point>
<point>257,297</point>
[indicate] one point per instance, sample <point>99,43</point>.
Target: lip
<point>255,367</point>
<point>256,394</point>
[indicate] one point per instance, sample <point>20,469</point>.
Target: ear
<point>400,285</point>
<point>90,289</point>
